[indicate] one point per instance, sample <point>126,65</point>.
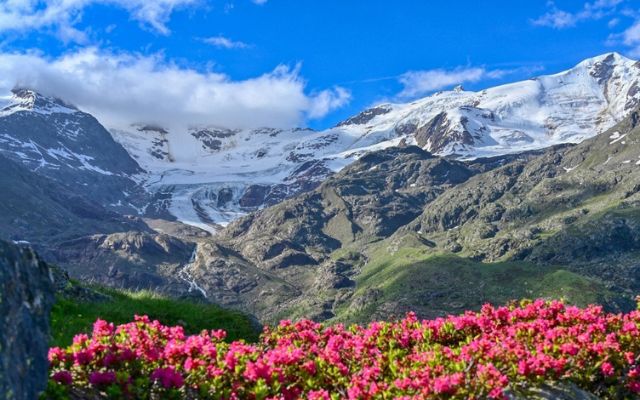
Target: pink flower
<point>634,387</point>
<point>83,357</point>
<point>109,359</point>
<point>447,384</point>
<point>80,338</point>
<point>570,348</point>
<point>257,370</point>
<point>168,377</point>
<point>318,395</point>
<point>63,377</point>
<point>497,393</point>
<point>477,354</point>
<point>102,378</point>
<point>607,369</point>
<point>191,364</point>
<point>56,354</point>
<point>102,328</point>
<point>310,367</point>
<point>219,334</point>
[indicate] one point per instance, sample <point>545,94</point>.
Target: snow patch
<point>617,139</point>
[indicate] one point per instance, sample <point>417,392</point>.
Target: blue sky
<point>326,60</point>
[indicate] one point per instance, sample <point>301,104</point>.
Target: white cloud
<point>224,42</point>
<point>557,19</point>
<point>628,38</point>
<point>63,15</point>
<point>631,38</point>
<point>328,100</point>
<point>417,83</point>
<point>260,2</point>
<point>420,83</point>
<point>560,19</point>
<point>121,89</point>
<point>614,10</point>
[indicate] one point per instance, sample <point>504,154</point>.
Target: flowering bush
<point>492,353</point>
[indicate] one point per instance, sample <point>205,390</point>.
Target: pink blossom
<point>102,378</point>
<point>63,377</point>
<point>607,369</point>
<point>168,377</point>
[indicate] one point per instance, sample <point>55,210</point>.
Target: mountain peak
<point>25,99</point>
<point>611,58</point>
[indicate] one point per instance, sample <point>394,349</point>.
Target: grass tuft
<point>71,316</point>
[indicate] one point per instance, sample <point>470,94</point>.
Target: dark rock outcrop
<point>439,133</point>
<point>136,260</point>
<point>254,196</point>
<point>366,115</point>
<point>26,290</point>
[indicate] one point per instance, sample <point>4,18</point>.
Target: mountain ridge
<point>210,176</point>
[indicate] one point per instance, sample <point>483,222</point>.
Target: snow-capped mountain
<point>55,139</point>
<point>210,175</point>
<point>207,176</point>
<point>566,107</point>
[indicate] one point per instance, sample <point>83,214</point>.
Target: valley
<point>524,190</point>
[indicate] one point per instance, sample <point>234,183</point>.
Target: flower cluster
<point>489,354</point>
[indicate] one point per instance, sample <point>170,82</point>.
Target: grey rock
<point>26,298</point>
<point>552,391</point>
<point>254,196</point>
<point>366,115</point>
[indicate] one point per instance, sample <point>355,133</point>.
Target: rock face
<point>26,298</point>
<point>41,210</point>
<point>136,260</point>
<point>553,391</point>
<point>366,115</point>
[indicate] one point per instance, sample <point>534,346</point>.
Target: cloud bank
<point>63,15</point>
<point>123,88</point>
<point>560,19</point>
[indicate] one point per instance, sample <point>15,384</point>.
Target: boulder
<point>552,391</point>
<point>26,298</point>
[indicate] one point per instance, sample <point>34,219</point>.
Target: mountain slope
<point>401,229</point>
<point>56,140</point>
<point>566,107</point>
<point>37,209</point>
<point>571,212</point>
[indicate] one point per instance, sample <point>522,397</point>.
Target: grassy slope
<point>440,283</point>
<point>70,317</point>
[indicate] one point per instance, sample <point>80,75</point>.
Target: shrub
<point>491,353</point>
